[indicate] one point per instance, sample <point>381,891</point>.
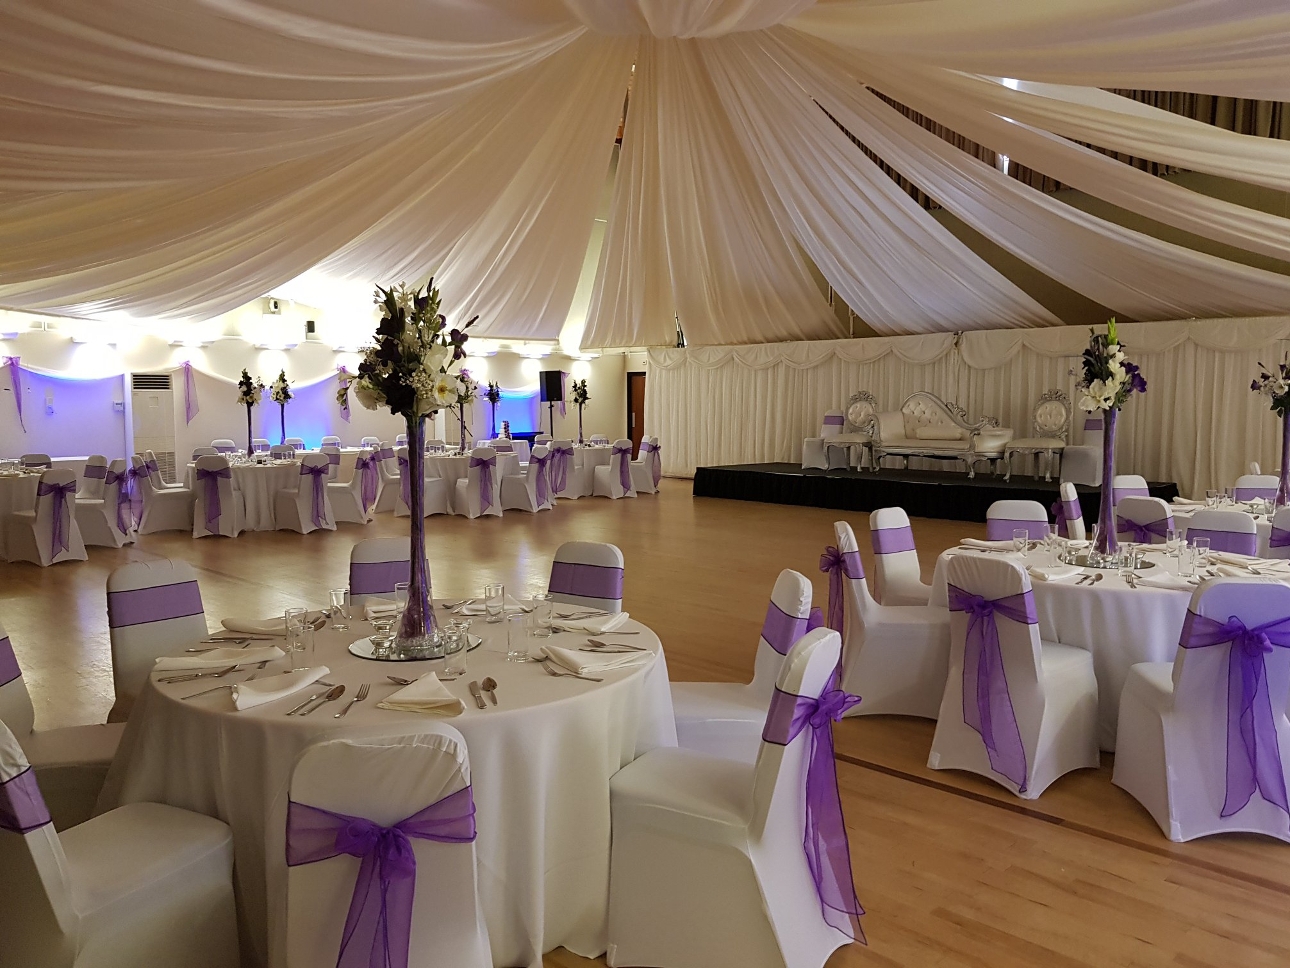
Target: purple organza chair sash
<point>378,928</point>
<point>377,577</point>
<point>825,839</point>
<point>560,467</point>
<point>127,515</point>
<point>1093,423</point>
<point>1253,753</point>
<point>987,704</point>
<point>1000,529</point>
<point>623,454</point>
<point>586,581</point>
<point>22,808</point>
<point>160,603</point>
<point>62,511</point>
<point>1279,538</point>
<point>319,473</point>
<point>838,564</point>
<point>891,541</point>
<point>370,473</point>
<point>9,670</point>
<point>151,467</point>
<point>1144,532</point>
<point>816,620</point>
<point>781,630</point>
<point>834,420</point>
<point>1254,493</point>
<point>1063,513</point>
<point>385,453</point>
<point>211,479</point>
<point>333,457</point>
<point>485,465</point>
<point>656,462</point>
<point>1237,542</point>
<point>543,490</point>
<point>95,472</point>
<point>405,482</point>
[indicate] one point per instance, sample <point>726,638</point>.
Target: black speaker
<point>549,385</point>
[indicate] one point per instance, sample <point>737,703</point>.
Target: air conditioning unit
<point>153,402</point>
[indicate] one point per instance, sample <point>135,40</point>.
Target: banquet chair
<point>815,454</point>
<point>503,445</point>
<point>35,461</point>
<point>154,609</point>
<point>894,656</point>
<point>203,452</point>
<point>331,440</point>
<point>306,507</point>
<point>614,480</point>
<point>333,460</point>
<point>353,501</point>
<point>726,718</point>
<point>711,861</point>
<point>1040,705</point>
<point>48,534</point>
<point>1255,487</point>
<point>1255,468</point>
<point>1082,462</point>
<point>1004,517</point>
<point>1128,485</point>
<point>643,479</point>
<point>220,508</point>
<point>480,491</point>
<point>297,442</point>
<point>376,565</point>
<point>522,449</point>
<point>412,780</point>
<point>898,578</point>
<point>1279,539</point>
<point>401,440</point>
<point>434,490</point>
<point>224,445</point>
<point>167,510</point>
<point>108,520</point>
<point>387,466</point>
<point>1197,765</point>
<point>70,762</point>
<point>372,442</point>
<point>259,445</point>
<point>282,452</point>
<point>1146,520</point>
<point>528,490</point>
<point>588,573</point>
<point>154,473</point>
<point>435,445</point>
<point>144,884</point>
<point>562,471</point>
<point>1068,513</point>
<point>1232,531</point>
<point>92,477</point>
<point>542,439</point>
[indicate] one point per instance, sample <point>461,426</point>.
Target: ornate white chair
<point>376,565</point>
<point>48,534</point>
<point>1004,517</point>
<point>108,521</point>
<point>220,508</point>
<point>1254,487</point>
<point>588,573</point>
<point>528,490</point>
<point>480,491</point>
<point>1082,462</point>
<point>898,577</point>
<point>614,480</point>
<point>306,507</point>
<point>1051,421</point>
<point>92,477</point>
<point>815,454</point>
<point>1068,514</point>
<point>1146,520</point>
<point>1227,530</point>
<point>1128,485</point>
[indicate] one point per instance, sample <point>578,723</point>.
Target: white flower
<point>445,390</point>
<point>435,358</point>
<point>368,396</point>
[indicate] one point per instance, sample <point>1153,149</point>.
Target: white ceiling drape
<point>179,159</point>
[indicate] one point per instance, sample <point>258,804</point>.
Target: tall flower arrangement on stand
<point>467,393</point>
<point>249,393</point>
<point>409,370</point>
<point>494,396</point>
<point>1275,385</point>
<point>1109,380</point>
<point>580,398</point>
<point>280,393</point>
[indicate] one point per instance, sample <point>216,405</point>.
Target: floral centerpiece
<point>467,393</point>
<point>494,396</point>
<point>580,398</point>
<point>280,393</point>
<point>249,393</point>
<point>1275,386</point>
<point>409,370</point>
<point>343,380</point>
<point>1109,380</point>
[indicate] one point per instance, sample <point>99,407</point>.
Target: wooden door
<point>635,410</point>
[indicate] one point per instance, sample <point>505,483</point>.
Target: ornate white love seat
<point>927,426</point>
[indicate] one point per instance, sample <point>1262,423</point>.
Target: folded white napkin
<point>426,695</point>
<point>1233,571</point>
<point>217,658</point>
<point>263,626</point>
<point>594,625</point>
<point>1053,572</point>
<point>376,607</point>
<point>1232,558</point>
<point>259,691</point>
<point>1166,579</point>
<point>1186,502</point>
<point>589,663</point>
<point>986,545</point>
<point>478,608</point>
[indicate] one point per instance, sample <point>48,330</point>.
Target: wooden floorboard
<point>953,871</point>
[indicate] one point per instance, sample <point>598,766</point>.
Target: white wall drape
<point>1198,424</point>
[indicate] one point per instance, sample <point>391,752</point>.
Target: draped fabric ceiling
<point>180,159</point>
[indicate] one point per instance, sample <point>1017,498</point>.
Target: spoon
<point>334,693</point>
<point>489,685</point>
<point>400,681</point>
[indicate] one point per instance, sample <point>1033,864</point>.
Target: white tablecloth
<point>454,468</point>
<point>540,764</point>
<point>1262,523</point>
<point>592,456</point>
<point>17,493</point>
<point>259,484</point>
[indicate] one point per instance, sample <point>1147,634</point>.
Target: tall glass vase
<point>1283,486</point>
<point>1106,541</point>
<point>250,437</point>
<point>419,633</point>
<point>282,422</point>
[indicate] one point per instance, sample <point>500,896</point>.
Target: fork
<point>361,695</point>
<point>565,673</point>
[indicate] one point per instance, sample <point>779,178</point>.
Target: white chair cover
<point>1037,701</point>
<point>1227,530</point>
<point>224,445</point>
<point>353,501</point>
<point>599,439</point>
<point>260,444</point>
<point>306,507</point>
<point>401,440</point>
<point>36,460</point>
<point>1279,539</point>
<point>333,457</point>
<point>1128,485</point>
<point>282,452</point>
<point>370,442</point>
<point>1252,487</point>
<point>1068,513</point>
<point>542,439</point>
<point>92,477</point>
<point>154,472</point>
<point>815,454</point>
<point>297,442</point>
<point>643,467</point>
<point>434,489</point>
<point>1146,520</point>
<point>1082,463</point>
<point>219,509</point>
<point>588,573</point>
<point>108,521</point>
<point>614,480</point>
<point>166,510</point>
<point>49,534</point>
<point>562,471</point>
<point>203,452</point>
<point>480,491</point>
<point>376,565</point>
<point>898,577</point>
<point>389,469</point>
<point>1004,517</point>
<point>529,490</point>
<point>331,440</point>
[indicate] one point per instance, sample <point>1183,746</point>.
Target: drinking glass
<point>1020,541</point>
<point>454,659</point>
<point>543,606</point>
<point>340,609</point>
<point>294,618</point>
<point>1173,542</point>
<point>495,602</point>
<point>1211,497</point>
<point>1186,561</point>
<point>1201,548</point>
<point>517,637</point>
<point>302,651</point>
<point>1128,559</point>
<point>382,633</point>
<point>401,596</point>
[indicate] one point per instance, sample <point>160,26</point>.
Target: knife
<point>478,694</point>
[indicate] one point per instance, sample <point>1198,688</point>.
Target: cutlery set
<point>1090,579</point>
<point>317,700</point>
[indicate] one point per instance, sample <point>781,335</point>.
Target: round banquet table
<point>260,484</point>
<point>1120,625</point>
<point>540,764</point>
<point>17,493</point>
<point>1262,523</point>
<point>453,468</point>
<point>589,456</point>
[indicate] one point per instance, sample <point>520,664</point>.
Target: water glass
<point>543,608</point>
<point>340,609</point>
<point>517,637</point>
<point>1201,547</point>
<point>1020,541</point>
<point>495,602</point>
<point>382,635</point>
<point>1211,498</point>
<point>1186,561</point>
<point>455,649</point>
<point>302,647</point>
<point>401,596</point>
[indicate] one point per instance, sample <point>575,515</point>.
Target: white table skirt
<point>540,764</point>
<point>455,468</point>
<point>17,493</point>
<point>1262,524</point>
<point>259,484</point>
<point>592,456</point>
<point>1120,625</point>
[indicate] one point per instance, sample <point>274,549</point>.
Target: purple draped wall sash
<point>561,456</point>
<point>828,855</point>
<point>15,380</point>
<point>1000,529</point>
<point>1237,542</point>
<point>212,479</point>
<point>891,541</point>
<point>1144,532</point>
<point>22,808</point>
<point>987,704</point>
<point>485,465</point>
<point>319,473</point>
<point>9,670</point>
<point>378,927</point>
<point>623,453</point>
<point>371,476</point>
<point>782,630</point>
<point>62,511</point>
<point>159,603</point>
<point>191,408</point>
<point>543,491</point>
<point>837,564</point>
<point>1063,513</point>
<point>586,581</point>
<point>95,472</point>
<point>1253,753</point>
<point>377,577</point>
<point>1254,493</point>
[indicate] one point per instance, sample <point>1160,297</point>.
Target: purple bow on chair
<point>95,472</point>
<point>1142,533</point>
<point>827,852</point>
<point>212,479</point>
<point>1279,538</point>
<point>837,564</point>
<point>987,705</point>
<point>560,468</point>
<point>151,468</point>
<point>366,466</point>
<point>542,492</point>
<point>22,808</point>
<point>1253,754</point>
<point>655,461</point>
<point>623,452</point>
<point>378,928</point>
<point>125,519</point>
<point>61,493</point>
<point>485,465</point>
<point>1063,513</point>
<point>319,474</point>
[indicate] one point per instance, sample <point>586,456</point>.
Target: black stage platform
<point>923,494</point>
